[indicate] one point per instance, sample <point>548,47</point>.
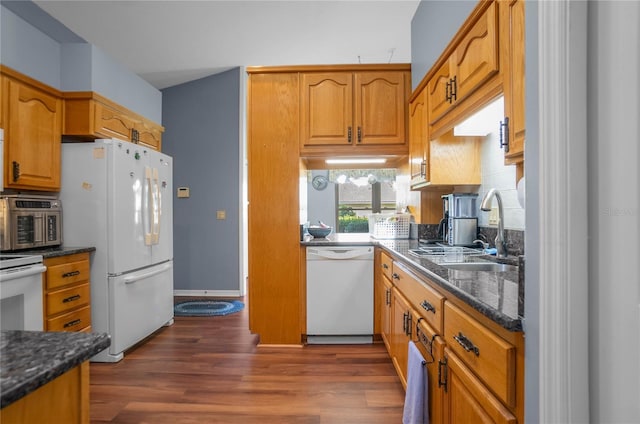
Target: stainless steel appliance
<point>460,215</point>
<point>339,294</point>
<point>21,292</point>
<point>29,221</point>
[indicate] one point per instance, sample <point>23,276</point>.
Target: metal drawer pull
<point>70,274</point>
<point>467,344</point>
<point>428,306</point>
<point>72,323</point>
<point>385,266</point>
<point>395,276</point>
<point>71,298</point>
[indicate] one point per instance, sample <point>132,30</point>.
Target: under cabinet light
<point>354,161</point>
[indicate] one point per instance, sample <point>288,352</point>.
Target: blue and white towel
<point>416,405</point>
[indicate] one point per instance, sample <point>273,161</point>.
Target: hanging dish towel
<point>416,405</point>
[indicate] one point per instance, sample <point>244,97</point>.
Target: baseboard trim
<point>207,293</point>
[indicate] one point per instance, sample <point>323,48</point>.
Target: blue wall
<point>432,27</point>
<point>202,132</point>
<point>35,44</point>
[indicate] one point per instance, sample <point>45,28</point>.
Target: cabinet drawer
<point>490,357</point>
<point>73,321</point>
<point>424,299</point>
<point>67,273</point>
<point>67,299</point>
<point>387,264</point>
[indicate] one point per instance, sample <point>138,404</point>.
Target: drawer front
<point>387,264</point>
<point>67,299</point>
<point>490,357</point>
<point>73,321</point>
<point>67,273</point>
<point>428,302</point>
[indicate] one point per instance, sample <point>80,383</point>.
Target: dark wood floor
<point>210,370</point>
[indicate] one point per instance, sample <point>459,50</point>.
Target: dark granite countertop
<point>497,295</point>
<point>52,252</point>
<point>31,359</point>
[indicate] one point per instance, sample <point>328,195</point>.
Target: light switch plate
<point>493,216</point>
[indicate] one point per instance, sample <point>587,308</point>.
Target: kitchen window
<point>359,193</point>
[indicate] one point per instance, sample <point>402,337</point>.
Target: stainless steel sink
<point>480,266</point>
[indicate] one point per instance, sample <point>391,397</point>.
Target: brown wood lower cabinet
<point>467,399</point>
<point>63,400</point>
<point>464,386</point>
<point>401,316</point>
<point>67,298</point>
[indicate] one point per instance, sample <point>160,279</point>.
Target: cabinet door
<point>326,112</point>
<point>385,308</point>
<point>514,85</point>
<point>149,135</point>
<point>400,334</point>
<point>439,92</point>
<point>380,108</point>
<point>417,137</point>
<point>32,139</point>
<point>432,348</point>
<point>467,400</point>
<point>475,60</point>
<point>112,123</point>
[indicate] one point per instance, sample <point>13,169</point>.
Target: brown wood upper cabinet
<point>512,14</point>
<point>353,109</point>
<point>89,115</point>
<point>33,127</point>
<point>473,61</point>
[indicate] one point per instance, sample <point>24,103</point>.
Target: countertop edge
<point>23,388</point>
<point>54,252</point>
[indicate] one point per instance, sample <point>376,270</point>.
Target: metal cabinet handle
<point>447,90</point>
<point>409,324</point>
<point>466,344</point>
<point>16,171</point>
<point>385,266</point>
<point>454,89</point>
<point>442,374</point>
<point>70,274</point>
<point>72,323</point>
<point>404,323</point>
<point>359,135</point>
<point>349,134</point>
<point>504,139</point>
<point>395,276</point>
<point>388,297</point>
<point>428,306</point>
<point>71,298</point>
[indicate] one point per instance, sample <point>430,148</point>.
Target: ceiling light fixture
<point>354,161</point>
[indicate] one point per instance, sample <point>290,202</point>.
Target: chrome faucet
<point>501,246</point>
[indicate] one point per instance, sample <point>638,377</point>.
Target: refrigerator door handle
<point>137,277</point>
<point>155,210</point>
<point>148,209</point>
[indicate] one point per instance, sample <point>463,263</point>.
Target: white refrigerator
<point>117,196</point>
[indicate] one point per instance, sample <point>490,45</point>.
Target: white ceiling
<point>171,42</point>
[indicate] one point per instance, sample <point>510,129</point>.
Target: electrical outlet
<point>493,216</point>
<point>221,215</point>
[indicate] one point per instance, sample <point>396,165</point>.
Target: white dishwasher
<point>339,294</point>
